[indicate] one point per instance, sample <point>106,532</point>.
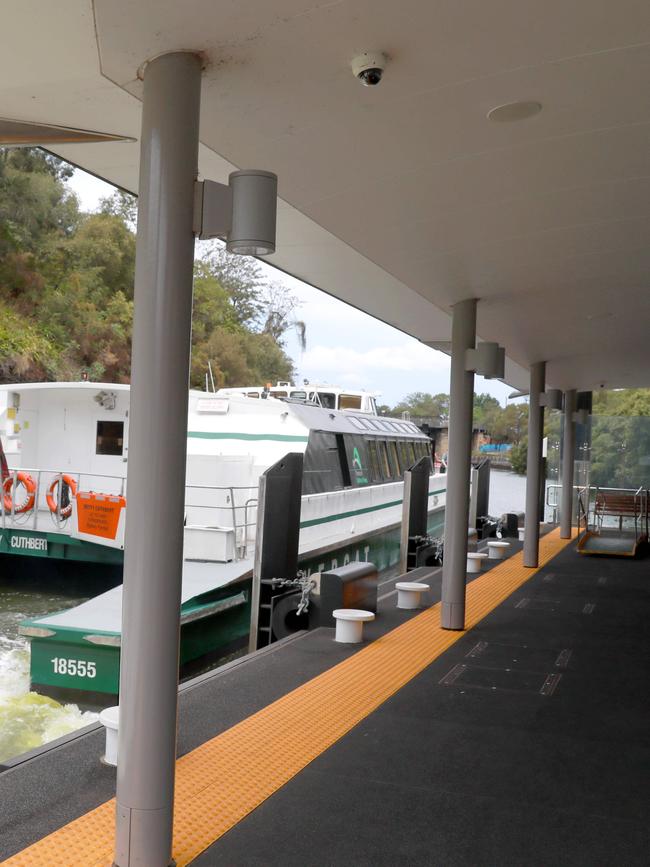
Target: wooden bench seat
<point>618,505</point>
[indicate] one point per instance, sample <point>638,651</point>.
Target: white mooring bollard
<point>109,718</point>
<point>408,593</point>
<point>349,624</point>
<point>497,550</point>
<point>475,561</point>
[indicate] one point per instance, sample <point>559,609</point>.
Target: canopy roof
<point>404,198</point>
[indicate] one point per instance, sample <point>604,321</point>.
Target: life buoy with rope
<point>52,498</point>
<point>28,484</point>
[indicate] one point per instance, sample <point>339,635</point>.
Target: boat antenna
<point>211,376</point>
<point>206,381</point>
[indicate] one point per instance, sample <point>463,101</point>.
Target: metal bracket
<point>212,209</point>
<point>488,360</point>
<point>551,398</point>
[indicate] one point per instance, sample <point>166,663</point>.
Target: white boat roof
<point>103,613</point>
<point>401,199</point>
<point>61,386</point>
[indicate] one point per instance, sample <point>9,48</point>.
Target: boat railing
<point>232,506</point>
<point>40,517</point>
<point>234,503</point>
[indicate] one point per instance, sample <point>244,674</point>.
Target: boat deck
<point>521,740</point>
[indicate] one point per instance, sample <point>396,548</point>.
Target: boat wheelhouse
<point>327,396</point>
<point>353,467</point>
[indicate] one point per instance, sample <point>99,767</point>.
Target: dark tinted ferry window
<point>395,471</point>
<point>356,449</point>
<point>328,401</point>
<point>411,452</point>
<point>403,457</point>
<point>373,456</point>
<point>322,469</point>
<point>110,438</point>
<point>384,464</point>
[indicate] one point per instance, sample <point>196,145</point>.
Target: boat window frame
<point>100,449</point>
<point>343,397</point>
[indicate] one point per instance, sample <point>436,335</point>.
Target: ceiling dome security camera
<point>369,67</point>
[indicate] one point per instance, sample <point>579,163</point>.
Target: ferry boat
<point>67,499</point>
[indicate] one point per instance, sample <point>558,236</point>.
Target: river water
<point>31,588</point>
<point>28,720</point>
<point>507,493</point>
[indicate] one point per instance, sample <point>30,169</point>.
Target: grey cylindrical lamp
<point>254,204</point>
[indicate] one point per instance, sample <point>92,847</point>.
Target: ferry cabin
<point>327,396</point>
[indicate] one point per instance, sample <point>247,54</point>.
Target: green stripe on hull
<point>351,514</point>
<point>220,435</point>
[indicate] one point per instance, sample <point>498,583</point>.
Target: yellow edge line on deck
<point>223,780</point>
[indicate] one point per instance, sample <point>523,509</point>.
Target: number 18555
<point>74,667</point>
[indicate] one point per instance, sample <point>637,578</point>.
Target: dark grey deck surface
<point>487,771</point>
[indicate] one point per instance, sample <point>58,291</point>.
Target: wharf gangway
<point>615,520</point>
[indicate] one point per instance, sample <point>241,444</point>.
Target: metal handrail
<point>44,478</point>
<point>239,528</point>
<point>556,488</point>
<point>22,519</point>
<point>641,502</point>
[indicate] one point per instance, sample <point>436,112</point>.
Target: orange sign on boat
<point>99,514</point>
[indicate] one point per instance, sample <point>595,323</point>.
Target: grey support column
<point>534,464</point>
<point>157,450</point>
<point>568,459</point>
<point>454,569</point>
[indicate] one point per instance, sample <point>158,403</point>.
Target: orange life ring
<point>28,484</point>
<point>52,501</point>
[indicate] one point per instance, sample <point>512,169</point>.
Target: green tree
<point>66,288</point>
<point>519,456</point>
<point>420,404</point>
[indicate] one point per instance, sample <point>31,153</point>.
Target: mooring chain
<point>301,582</point>
<point>436,542</point>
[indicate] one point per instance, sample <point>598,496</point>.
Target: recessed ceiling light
<point>512,111</point>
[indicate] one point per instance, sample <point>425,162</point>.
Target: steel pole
<point>534,463</point>
<point>461,400</point>
<point>157,452</point>
<point>568,460</point>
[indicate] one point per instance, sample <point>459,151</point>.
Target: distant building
<point>438,431</point>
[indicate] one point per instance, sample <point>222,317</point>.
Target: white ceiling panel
<point>401,199</point>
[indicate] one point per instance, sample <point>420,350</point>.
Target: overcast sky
<point>344,346</point>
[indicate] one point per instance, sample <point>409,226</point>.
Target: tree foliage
<point>620,439</point>
<point>66,289</point>
<point>422,405</point>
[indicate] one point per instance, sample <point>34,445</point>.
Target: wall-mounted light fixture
<point>241,212</point>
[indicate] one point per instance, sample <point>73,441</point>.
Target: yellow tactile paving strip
<point>223,780</point>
